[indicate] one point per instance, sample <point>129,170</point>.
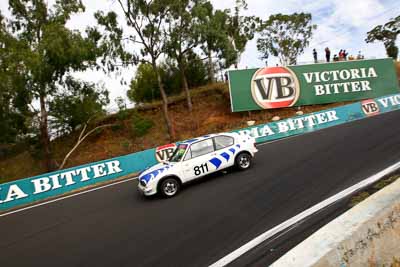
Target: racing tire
<point>169,187</point>
<point>243,161</point>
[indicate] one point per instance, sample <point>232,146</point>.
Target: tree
<point>196,70</point>
<point>212,26</point>
<point>182,37</point>
<point>387,34</point>
<point>51,51</point>
<point>82,136</point>
<point>14,99</point>
<point>144,86</point>
<point>285,36</point>
<point>147,19</point>
<point>78,102</point>
<point>241,28</point>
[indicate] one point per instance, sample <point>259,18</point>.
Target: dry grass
<point>375,188</point>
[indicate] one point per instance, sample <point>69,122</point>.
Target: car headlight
<point>142,183</point>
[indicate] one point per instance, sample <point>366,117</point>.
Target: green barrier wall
<point>25,191</point>
<point>277,87</point>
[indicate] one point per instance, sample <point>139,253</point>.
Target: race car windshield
<point>178,153</point>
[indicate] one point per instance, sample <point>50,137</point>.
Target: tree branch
<point>81,139</point>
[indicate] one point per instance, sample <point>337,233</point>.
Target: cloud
<point>356,12</point>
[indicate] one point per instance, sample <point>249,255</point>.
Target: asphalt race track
<point>116,226</point>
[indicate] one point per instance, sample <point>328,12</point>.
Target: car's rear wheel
<point>169,187</point>
<point>243,161</point>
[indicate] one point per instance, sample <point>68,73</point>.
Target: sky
<point>340,25</point>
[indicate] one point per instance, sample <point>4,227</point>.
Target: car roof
<point>201,138</point>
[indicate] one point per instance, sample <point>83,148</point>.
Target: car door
<point>197,160</point>
<point>224,150</point>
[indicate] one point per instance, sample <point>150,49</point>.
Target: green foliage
<point>47,52</point>
<point>196,71</point>
<point>126,144</point>
<point>241,29</point>
<point>141,125</point>
<point>285,36</point>
<point>121,103</point>
<point>51,49</point>
<point>213,29</point>
<point>144,86</point>
<point>76,105</point>
<point>14,98</point>
<point>123,114</point>
<point>387,34</point>
<point>146,21</point>
<point>181,32</point>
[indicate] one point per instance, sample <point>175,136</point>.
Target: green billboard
<point>279,87</point>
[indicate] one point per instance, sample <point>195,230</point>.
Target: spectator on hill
<point>315,55</point>
<point>335,58</point>
<point>327,54</point>
<point>360,56</point>
<point>341,56</point>
<point>345,54</point>
<point>226,76</point>
<point>351,57</point>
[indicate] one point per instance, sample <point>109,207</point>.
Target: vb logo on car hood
<point>275,87</point>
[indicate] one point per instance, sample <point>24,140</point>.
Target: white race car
<point>195,158</point>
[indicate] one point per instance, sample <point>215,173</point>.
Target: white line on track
<point>301,216</point>
<point>69,196</point>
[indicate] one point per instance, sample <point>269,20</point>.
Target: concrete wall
<point>366,235</point>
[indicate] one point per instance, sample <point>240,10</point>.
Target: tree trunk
<point>185,86</point>
<point>210,67</point>
<point>44,136</point>
<point>168,122</point>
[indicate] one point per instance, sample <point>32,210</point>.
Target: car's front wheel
<point>169,187</point>
<point>243,161</point>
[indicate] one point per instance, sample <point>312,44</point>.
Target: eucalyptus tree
<point>49,50</point>
<point>14,99</point>
<point>285,36</point>
<point>214,38</point>
<point>183,36</point>
<point>146,19</point>
<point>387,34</point>
<point>241,28</point>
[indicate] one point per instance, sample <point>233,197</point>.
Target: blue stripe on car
<point>232,150</point>
<point>216,162</point>
<point>225,155</point>
<point>153,174</point>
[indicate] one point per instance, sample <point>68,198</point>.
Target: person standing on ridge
<point>315,55</point>
<point>327,54</point>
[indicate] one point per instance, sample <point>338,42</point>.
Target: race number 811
<point>203,168</point>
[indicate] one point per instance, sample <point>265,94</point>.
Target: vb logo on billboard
<point>165,152</point>
<point>370,107</point>
<point>275,87</point>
